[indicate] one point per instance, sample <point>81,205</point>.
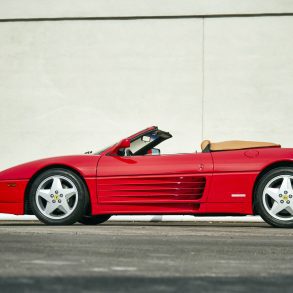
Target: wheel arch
<point>27,207</point>
<point>267,169</point>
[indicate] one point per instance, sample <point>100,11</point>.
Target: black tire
<point>81,197</point>
<point>259,198</point>
<point>94,220</point>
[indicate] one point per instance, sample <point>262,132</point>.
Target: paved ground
<point>145,257</point>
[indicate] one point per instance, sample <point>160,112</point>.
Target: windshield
<point>144,143</point>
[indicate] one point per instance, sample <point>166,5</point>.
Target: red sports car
<point>132,177</point>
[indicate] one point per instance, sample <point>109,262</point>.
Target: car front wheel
<point>58,197</point>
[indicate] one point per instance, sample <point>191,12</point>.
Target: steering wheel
<point>128,153</point>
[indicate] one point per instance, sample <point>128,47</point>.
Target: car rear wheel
<point>94,220</point>
<point>274,197</point>
<point>58,197</point>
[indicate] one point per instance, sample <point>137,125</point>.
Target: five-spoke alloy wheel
<point>274,197</point>
<point>58,197</point>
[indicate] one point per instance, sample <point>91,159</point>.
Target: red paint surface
<point>84,165</point>
<point>198,183</point>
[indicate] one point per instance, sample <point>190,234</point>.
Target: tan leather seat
<point>235,145</point>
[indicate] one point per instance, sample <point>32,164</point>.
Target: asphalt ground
<point>145,257</point>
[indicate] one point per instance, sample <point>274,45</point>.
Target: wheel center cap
<point>56,197</point>
<point>285,197</point>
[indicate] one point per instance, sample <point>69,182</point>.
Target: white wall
<point>249,79</point>
<point>70,86</point>
<point>67,87</point>
<point>110,8</point>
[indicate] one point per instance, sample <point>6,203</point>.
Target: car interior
<point>146,143</point>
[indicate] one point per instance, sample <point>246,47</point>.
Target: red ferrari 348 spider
<point>132,177</point>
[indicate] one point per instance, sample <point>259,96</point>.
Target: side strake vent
<point>151,189</point>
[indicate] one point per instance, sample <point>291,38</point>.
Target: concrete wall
<point>113,8</point>
<point>70,86</point>
<point>248,69</point>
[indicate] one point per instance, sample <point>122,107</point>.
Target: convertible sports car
<point>132,177</point>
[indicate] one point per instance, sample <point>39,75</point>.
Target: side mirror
<point>121,145</point>
<point>124,143</point>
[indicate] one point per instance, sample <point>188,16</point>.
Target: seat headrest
<point>204,144</point>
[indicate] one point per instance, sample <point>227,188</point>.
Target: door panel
<point>234,176</point>
<point>153,179</point>
<point>159,188</point>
